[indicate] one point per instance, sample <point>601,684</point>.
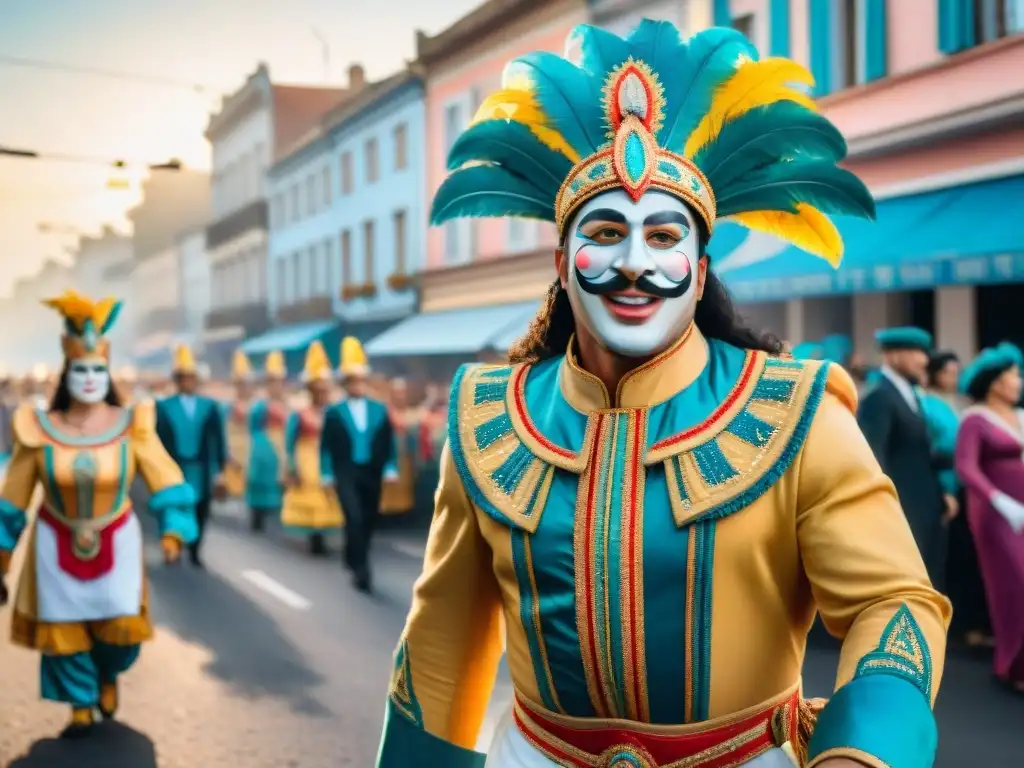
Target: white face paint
<point>633,270</point>
<point>88,381</point>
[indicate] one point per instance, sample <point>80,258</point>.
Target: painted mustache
<point>644,284</point>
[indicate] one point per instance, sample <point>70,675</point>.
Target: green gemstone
<point>635,157</point>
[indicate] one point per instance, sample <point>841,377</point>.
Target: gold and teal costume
<point>268,418</point>
<point>236,427</point>
<point>82,599</point>
<point>653,558</point>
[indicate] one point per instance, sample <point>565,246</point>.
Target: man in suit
<point>359,442</point>
<point>192,430</point>
<point>893,422</point>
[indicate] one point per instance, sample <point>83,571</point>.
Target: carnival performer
<point>82,600</point>
<point>311,505</point>
<point>397,497</point>
<point>359,443</point>
<point>989,462</point>
<point>268,417</point>
<point>893,421</point>
<point>649,504</point>
<point>191,428</point>
<point>236,420</point>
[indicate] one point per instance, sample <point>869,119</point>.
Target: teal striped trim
<point>122,473</point>
<point>53,432</point>
<point>529,615</point>
<point>703,573</point>
<point>50,481</point>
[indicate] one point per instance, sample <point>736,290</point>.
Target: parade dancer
<point>191,428</point>
<point>398,497</point>
<point>82,600</point>
<point>989,461</point>
<point>647,507</point>
<point>264,487</point>
<point>236,419</point>
<point>894,422</point>
<point>311,505</point>
<point>359,442</point>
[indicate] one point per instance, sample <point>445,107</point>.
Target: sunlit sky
<point>214,43</point>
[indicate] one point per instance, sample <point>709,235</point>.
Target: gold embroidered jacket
<point>659,558</point>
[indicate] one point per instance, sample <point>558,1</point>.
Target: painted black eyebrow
<point>667,217</point>
<point>602,214</point>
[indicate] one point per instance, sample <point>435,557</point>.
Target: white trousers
<point>510,749</point>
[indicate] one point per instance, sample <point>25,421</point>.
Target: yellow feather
<point>755,84</point>
<point>520,105</point>
<point>808,228</point>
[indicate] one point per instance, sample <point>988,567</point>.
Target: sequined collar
<point>653,382</point>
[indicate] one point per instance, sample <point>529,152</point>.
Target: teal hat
<point>808,350</point>
<point>836,348</point>
<point>906,337</point>
<point>992,360</point>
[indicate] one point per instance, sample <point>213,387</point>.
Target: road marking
<point>410,550</point>
<point>276,589</point>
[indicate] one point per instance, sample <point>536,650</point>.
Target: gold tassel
<point>808,718</point>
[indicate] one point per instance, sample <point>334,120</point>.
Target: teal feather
<point>780,187</point>
<point>513,146</point>
<point>711,58</point>
<point>601,51</point>
<point>569,97</point>
<point>657,43</point>
<point>489,190</point>
<point>767,135</point>
<point>115,312</point>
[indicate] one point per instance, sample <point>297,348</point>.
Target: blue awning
<point>454,332</point>
<point>965,235</point>
<point>289,338</point>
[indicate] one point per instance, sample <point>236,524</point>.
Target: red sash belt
<point>723,743</point>
<point>83,552</point>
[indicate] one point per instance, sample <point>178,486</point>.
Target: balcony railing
<point>316,308</point>
<point>252,216</point>
<point>252,317</point>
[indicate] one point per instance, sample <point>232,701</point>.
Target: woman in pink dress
<point>990,463</point>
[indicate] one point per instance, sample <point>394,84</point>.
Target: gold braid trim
<point>807,720</point>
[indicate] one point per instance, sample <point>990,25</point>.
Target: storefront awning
<point>964,235</point>
<point>289,338</point>
<point>454,332</point>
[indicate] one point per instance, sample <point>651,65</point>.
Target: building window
<point>369,270</point>
<point>372,167</point>
<point>745,25</point>
<point>452,125</point>
<point>345,168</point>
<point>296,277</point>
<point>346,258</point>
<point>296,210</point>
<point>330,283</point>
<point>284,295</point>
<point>401,267</point>
<point>327,186</point>
<point>995,19</point>
<point>276,219</point>
<point>848,55</point>
<point>452,251</point>
<point>312,268</point>
<point>311,202</point>
<point>400,147</point>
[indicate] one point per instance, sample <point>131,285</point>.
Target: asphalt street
<point>268,659</point>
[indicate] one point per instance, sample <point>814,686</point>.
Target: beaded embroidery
<point>503,475</point>
<point>402,694</point>
<point>722,468</point>
<point>902,651</point>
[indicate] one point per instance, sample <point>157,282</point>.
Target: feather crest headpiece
<point>705,120</point>
<point>86,324</point>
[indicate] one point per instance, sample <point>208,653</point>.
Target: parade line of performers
<point>82,600</point>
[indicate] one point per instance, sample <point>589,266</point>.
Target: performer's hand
<point>171,547</point>
<point>952,508</point>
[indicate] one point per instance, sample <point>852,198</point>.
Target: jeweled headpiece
<point>704,120</point>
<point>86,323</point>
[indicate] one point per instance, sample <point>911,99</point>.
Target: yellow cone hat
<point>318,365</point>
<point>241,368</point>
<point>353,358</point>
<point>184,360</point>
<point>274,366</point>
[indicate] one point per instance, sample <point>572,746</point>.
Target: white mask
<point>88,381</point>
<point>633,270</point>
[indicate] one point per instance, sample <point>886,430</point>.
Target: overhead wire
<point>54,66</point>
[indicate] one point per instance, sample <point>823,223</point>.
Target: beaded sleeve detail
<point>733,458</point>
<point>902,651</point>
<point>503,475</point>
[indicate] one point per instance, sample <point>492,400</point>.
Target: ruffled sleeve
<point>173,501</point>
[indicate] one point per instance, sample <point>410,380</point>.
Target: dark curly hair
<point>716,316</point>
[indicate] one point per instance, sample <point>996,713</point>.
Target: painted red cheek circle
<point>678,264</point>
<point>582,260</point>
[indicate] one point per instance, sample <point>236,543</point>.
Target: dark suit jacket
<point>198,445</point>
<point>365,478</point>
<point>902,444</point>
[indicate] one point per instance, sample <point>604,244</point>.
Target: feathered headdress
<point>86,323</point>
<point>703,120</point>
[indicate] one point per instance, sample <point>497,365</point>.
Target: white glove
<point>1011,510</point>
